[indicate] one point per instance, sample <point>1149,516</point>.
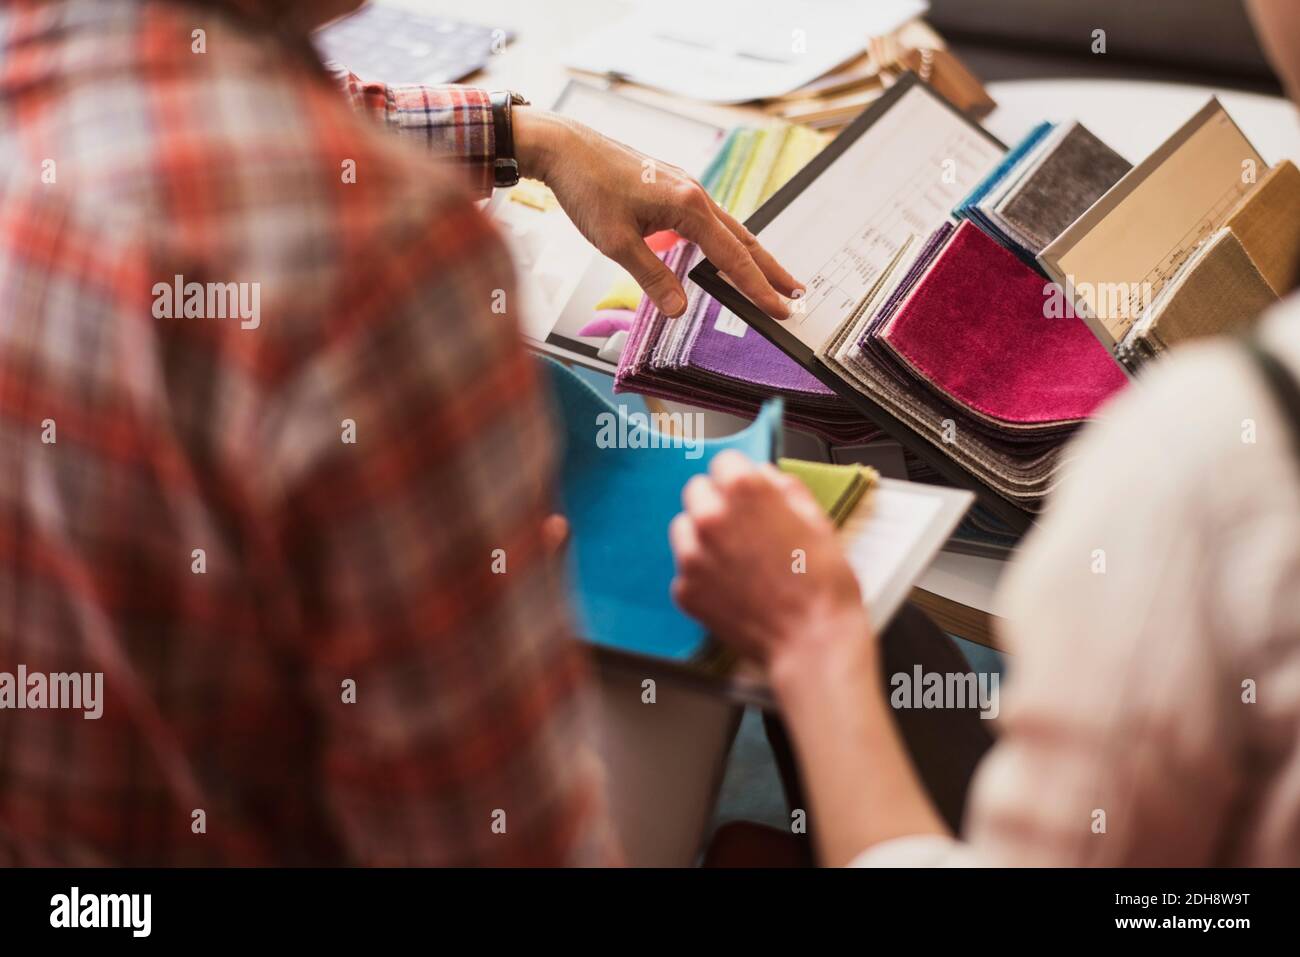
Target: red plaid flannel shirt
<point>304,552</point>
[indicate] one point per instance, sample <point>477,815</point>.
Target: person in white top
<point>1153,714</point>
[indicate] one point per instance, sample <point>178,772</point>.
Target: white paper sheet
<point>901,177</point>
<point>892,541</point>
<point>730,51</point>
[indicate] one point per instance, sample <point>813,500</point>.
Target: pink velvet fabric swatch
<point>976,330</point>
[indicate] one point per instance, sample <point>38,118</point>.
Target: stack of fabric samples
<point>1042,186</point>
<point>1219,291</point>
<point>619,498</point>
<point>710,358</point>
<point>1190,243</point>
<point>955,343</point>
<point>1231,278</point>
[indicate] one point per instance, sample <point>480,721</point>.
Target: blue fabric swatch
<point>621,486</point>
<point>1009,162</point>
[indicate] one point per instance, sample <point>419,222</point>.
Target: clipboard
<point>705,274</point>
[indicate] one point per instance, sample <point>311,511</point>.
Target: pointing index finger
<point>734,260</point>
<point>776,274</point>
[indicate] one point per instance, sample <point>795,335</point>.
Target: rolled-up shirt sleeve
<point>454,122</point>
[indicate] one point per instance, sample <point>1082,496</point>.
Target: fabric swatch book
<point>620,497</point>
<point>1218,292</point>
<point>707,356</point>
<point>1126,265</point>
<point>1047,182</point>
<point>951,331</point>
<point>945,334</point>
<point>867,226</point>
<point>1229,277</point>
<point>959,348</point>
<point>1267,224</point>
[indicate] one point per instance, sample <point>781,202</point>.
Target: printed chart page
<point>902,176</point>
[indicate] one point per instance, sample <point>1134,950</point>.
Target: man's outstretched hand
<point>616,197</point>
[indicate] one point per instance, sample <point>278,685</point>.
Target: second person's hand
<point>761,566</point>
<point>617,196</point>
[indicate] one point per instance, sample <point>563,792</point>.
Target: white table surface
<point>1136,117</point>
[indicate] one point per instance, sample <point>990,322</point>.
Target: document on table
<point>893,539</point>
<point>1119,254</point>
<point>901,177</point>
<point>390,45</point>
<point>730,51</point>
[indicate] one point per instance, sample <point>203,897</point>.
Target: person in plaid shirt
<point>273,464</point>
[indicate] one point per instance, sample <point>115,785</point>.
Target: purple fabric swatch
<point>751,358</point>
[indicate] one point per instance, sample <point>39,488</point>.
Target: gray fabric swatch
<point>1068,180</point>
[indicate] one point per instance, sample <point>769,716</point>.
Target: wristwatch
<point>505,166</point>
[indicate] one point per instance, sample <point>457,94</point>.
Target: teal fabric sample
<point>621,485</point>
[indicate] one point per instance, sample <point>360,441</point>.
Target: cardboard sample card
<point>1118,255</point>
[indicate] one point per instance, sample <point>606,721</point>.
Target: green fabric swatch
<point>837,488</point>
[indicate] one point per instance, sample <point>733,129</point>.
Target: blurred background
<point>1190,41</point>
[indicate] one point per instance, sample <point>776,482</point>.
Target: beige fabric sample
<point>1220,291</point>
<point>1267,221</point>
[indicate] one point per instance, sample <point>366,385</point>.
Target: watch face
<point>506,172</point>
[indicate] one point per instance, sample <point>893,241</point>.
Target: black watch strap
<point>505,165</point>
